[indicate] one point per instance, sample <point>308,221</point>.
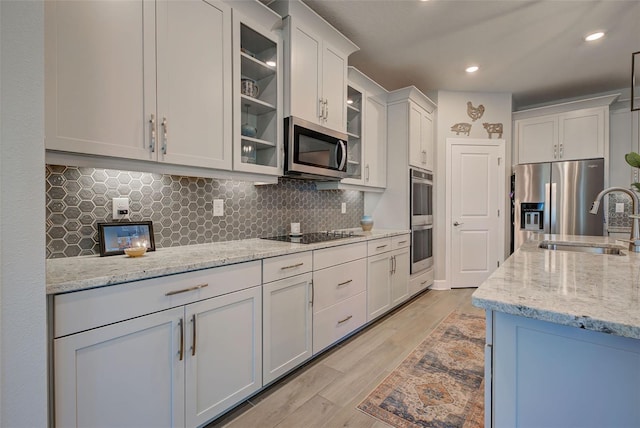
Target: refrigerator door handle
<point>547,208</point>
<point>554,209</point>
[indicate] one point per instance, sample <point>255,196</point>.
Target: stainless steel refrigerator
<point>555,197</point>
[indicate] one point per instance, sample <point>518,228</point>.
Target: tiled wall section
<point>181,208</point>
<point>619,219</point>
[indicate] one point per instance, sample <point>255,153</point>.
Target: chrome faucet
<point>634,241</point>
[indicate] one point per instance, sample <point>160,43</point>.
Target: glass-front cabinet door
<point>354,131</point>
<point>257,95</point>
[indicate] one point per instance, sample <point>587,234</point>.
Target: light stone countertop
<point>591,291</point>
<point>80,273</point>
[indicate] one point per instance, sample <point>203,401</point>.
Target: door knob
<point>455,223</point>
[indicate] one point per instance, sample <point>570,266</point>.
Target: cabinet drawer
<point>337,321</point>
<point>281,267</point>
<point>341,254</point>
<point>420,282</point>
<point>84,310</point>
<point>378,246</point>
<point>337,283</point>
<point>401,241</point>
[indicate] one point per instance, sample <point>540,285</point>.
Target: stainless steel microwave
<point>312,151</point>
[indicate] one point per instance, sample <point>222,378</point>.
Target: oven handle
<point>341,150</point>
<point>421,227</point>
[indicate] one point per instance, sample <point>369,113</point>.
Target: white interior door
<point>475,192</point>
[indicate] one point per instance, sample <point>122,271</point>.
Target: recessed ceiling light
<point>472,69</point>
<point>594,36</point>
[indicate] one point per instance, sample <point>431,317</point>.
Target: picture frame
<point>113,238</point>
<point>635,81</point>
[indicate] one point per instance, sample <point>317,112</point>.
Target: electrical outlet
<point>344,208</point>
<point>120,208</point>
<point>619,207</point>
<point>218,207</point>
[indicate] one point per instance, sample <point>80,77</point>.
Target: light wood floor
<point>326,391</point>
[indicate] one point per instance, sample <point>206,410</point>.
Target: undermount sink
<point>583,247</point>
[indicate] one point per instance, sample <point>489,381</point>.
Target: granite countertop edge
<point>587,291</point>
<point>71,274</point>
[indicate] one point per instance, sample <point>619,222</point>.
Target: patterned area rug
<point>440,384</point>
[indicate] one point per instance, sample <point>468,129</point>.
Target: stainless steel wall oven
<point>421,197</point>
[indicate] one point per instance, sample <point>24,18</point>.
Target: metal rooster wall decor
<point>474,113</point>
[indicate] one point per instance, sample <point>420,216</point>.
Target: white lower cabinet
<point>124,374</point>
<point>287,313</point>
<point>286,325</point>
<point>224,360</point>
<point>388,267</point>
<point>400,275</point>
<point>180,366</point>
<point>340,298</point>
<point>378,285</point>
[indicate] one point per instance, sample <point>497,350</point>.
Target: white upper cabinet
<point>257,80</point>
<point>100,77</point>
<point>411,124</point>
<point>140,80</point>
<point>316,60</point>
<point>564,132</point>
<point>367,131</point>
<point>420,137</point>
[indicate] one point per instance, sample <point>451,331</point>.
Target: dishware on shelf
<point>248,130</point>
<point>249,87</point>
<point>366,222</point>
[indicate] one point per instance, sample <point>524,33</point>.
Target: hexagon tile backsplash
<point>181,208</point>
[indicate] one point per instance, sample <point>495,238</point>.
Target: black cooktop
<point>313,237</point>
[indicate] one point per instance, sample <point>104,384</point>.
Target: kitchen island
<point>563,330</point>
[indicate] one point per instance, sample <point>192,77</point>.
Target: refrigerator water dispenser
<point>532,215</point>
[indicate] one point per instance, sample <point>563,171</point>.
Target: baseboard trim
<point>440,284</point>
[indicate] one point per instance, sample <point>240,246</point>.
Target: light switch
<point>120,208</point>
<point>619,207</point>
<point>218,207</point>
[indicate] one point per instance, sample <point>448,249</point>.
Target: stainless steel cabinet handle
<point>345,320</point>
<point>455,223</point>
<point>366,173</point>
<point>345,283</point>
<point>164,135</point>
<point>391,267</point>
<point>326,109</point>
<point>561,151</point>
<point>321,115</point>
<point>379,247</point>
<point>555,151</point>
<point>181,339</point>
<point>402,242</point>
<point>152,142</point>
<point>292,266</point>
<point>424,156</point>
<point>197,287</point>
<point>193,347</point>
<point>423,282</point>
<point>395,265</point>
<point>312,293</point>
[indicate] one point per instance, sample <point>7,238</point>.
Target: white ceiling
<point>532,49</point>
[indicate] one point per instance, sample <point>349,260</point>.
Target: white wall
<point>23,374</point>
<point>452,109</point>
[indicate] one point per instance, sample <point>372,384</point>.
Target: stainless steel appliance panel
<point>421,197</point>
<point>314,152</point>
<point>556,197</point>
<point>574,186</point>
<point>531,187</point>
<point>421,248</point>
